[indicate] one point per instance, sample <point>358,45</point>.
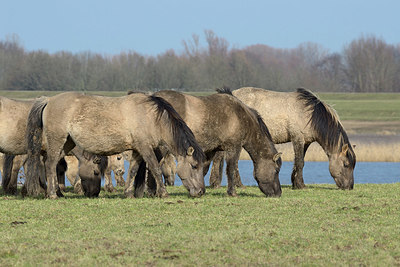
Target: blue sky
<point>152,27</point>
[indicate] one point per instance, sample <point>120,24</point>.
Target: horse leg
<point>52,187</point>
<point>12,186</point>
<point>206,164</point>
<point>151,185</point>
<point>297,173</point>
<point>8,168</point>
<point>231,158</point>
<point>108,186</point>
<point>217,169</point>
<point>140,180</point>
<point>134,163</point>
<point>119,179</point>
<point>154,167</point>
<point>53,156</point>
<point>60,169</point>
<point>237,179</point>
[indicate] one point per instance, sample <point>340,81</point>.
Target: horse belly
<point>106,142</point>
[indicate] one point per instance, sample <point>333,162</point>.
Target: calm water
<point>317,173</point>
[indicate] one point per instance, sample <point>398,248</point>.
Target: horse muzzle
<point>197,192</point>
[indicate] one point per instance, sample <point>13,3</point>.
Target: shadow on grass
<point>319,187</point>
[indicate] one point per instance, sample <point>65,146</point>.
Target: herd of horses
<point>164,133</point>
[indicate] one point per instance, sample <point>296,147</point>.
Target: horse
<point>9,168</point>
<point>109,125</point>
<point>220,122</point>
<point>13,120</point>
<point>114,163</point>
<point>302,118</point>
<point>13,124</point>
<point>168,168</point>
<point>83,170</point>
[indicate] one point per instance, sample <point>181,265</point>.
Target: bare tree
<point>370,65</point>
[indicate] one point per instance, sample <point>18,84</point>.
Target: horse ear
<point>277,156</point>
<point>190,151</point>
<point>97,159</point>
<point>345,148</point>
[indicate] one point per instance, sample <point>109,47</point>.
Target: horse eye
<point>119,158</point>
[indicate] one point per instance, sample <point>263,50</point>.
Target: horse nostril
<point>96,173</point>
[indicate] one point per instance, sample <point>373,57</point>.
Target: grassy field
<point>316,226</point>
<point>365,107</point>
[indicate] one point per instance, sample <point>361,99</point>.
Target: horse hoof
<point>232,194</point>
<point>299,186</point>
<point>109,189</point>
<point>53,196</point>
<point>162,194</point>
<point>129,195</point>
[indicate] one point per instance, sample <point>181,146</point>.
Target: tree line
<point>367,64</point>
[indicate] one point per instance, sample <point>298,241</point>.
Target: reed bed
<point>365,151</point>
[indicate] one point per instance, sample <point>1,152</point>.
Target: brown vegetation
<point>374,141</point>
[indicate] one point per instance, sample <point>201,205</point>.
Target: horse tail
<point>34,132</point>
<point>7,172</point>
<point>140,180</point>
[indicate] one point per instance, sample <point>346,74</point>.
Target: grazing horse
<point>301,118</point>
<point>113,163</point>
<point>83,170</point>
<point>13,123</point>
<point>9,168</point>
<point>109,125</point>
<point>13,120</point>
<point>168,167</point>
<point>220,122</point>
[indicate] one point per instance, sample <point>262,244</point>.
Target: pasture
<point>320,225</point>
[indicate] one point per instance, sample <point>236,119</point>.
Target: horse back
<point>98,121</point>
<point>284,115</point>
<point>13,121</point>
<point>216,120</point>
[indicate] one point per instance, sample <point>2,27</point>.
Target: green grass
<point>365,107</point>
<point>316,226</point>
<point>350,106</point>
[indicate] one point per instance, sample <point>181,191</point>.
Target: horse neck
<point>330,149</point>
<point>259,146</point>
<point>167,142</point>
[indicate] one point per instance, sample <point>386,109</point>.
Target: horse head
<point>168,168</point>
<point>190,170</point>
<point>266,173</point>
<point>341,167</point>
<point>91,170</point>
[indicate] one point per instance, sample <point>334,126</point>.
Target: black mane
<point>325,122</point>
<point>183,136</point>
<point>261,123</point>
<point>224,90</point>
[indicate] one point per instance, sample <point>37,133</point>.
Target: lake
<point>318,173</point>
<point>315,173</point>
